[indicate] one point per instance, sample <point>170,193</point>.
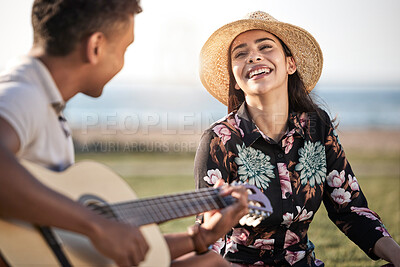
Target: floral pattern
<point>223,132</point>
<point>240,235</point>
<point>231,246</point>
<point>382,230</point>
<point>235,122</point>
<point>287,143</point>
<point>353,183</point>
<point>284,179</point>
<point>334,133</point>
<point>287,219</point>
<point>312,163</point>
<point>335,179</point>
<point>340,196</point>
<point>290,239</point>
<point>254,167</point>
<point>303,214</point>
<point>312,169</point>
<point>218,246</point>
<point>213,176</point>
<point>295,256</point>
<point>264,244</point>
<point>365,212</point>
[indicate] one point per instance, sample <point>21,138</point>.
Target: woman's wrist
<point>387,249</point>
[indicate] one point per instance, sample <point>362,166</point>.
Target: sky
<point>359,38</point>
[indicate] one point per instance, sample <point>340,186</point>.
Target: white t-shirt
<point>32,104</point>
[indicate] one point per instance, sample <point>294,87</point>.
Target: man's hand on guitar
<point>218,223</point>
<point>123,243</point>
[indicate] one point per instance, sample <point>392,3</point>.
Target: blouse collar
<point>297,123</point>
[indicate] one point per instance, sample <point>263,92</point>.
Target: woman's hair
<point>299,99</point>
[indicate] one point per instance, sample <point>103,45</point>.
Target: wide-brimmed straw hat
<point>214,57</point>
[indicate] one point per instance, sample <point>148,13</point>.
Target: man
<point>79,45</point>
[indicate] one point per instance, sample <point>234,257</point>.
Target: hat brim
<point>214,72</point>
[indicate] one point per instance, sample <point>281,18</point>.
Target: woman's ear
<point>291,65</point>
<point>237,86</point>
<point>94,47</point>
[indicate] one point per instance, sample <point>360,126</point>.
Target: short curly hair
<point>59,25</point>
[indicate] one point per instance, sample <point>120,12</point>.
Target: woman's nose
<point>254,58</point>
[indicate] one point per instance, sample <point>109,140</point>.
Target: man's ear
<point>291,65</point>
<point>94,47</point>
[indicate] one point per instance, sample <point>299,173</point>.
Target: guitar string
<point>178,209</point>
<point>183,202</point>
<point>160,209</point>
<point>128,210</point>
<point>165,198</point>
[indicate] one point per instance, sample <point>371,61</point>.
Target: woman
<point>276,138</point>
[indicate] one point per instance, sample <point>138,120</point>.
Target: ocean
<point>192,109</point>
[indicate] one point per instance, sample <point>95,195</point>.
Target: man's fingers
<point>137,253</point>
<point>136,257</point>
<point>240,207</point>
<point>139,246</point>
<point>125,261</point>
<point>143,248</point>
<point>219,183</point>
<point>239,192</point>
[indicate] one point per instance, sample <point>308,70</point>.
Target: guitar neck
<point>164,208</point>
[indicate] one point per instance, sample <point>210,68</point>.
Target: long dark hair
<point>299,98</point>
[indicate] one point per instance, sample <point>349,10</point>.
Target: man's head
<point>59,25</point>
<point>83,42</point>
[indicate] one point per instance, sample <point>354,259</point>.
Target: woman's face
<point>259,64</point>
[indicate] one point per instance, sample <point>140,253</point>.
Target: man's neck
<point>64,71</point>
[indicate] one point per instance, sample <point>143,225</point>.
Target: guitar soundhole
<point>98,205</point>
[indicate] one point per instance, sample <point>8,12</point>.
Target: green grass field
<point>378,174</point>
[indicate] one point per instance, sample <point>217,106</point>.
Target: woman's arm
<point>387,249</point>
<point>347,206</point>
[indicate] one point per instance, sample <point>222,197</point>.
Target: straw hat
<point>214,55</point>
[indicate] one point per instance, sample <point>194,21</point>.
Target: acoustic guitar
<point>96,186</point>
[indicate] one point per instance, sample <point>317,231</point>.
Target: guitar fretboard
<point>161,209</point>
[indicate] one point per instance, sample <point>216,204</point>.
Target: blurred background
<point>147,124</point>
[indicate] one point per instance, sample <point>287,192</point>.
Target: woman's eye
<point>240,54</point>
<point>265,47</point>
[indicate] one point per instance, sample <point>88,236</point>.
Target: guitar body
<point>22,245</point>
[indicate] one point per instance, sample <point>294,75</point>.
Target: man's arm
<point>23,197</point>
<point>217,225</point>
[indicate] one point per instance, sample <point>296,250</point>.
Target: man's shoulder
<point>23,71</point>
<point>20,98</point>
<point>21,91</point>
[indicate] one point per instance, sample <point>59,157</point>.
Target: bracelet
<point>199,246</point>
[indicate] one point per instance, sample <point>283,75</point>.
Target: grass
<point>378,173</point>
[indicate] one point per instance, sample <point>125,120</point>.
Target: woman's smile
<point>259,64</point>
<point>258,72</point>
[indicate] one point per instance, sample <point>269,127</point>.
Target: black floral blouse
<point>307,166</point>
